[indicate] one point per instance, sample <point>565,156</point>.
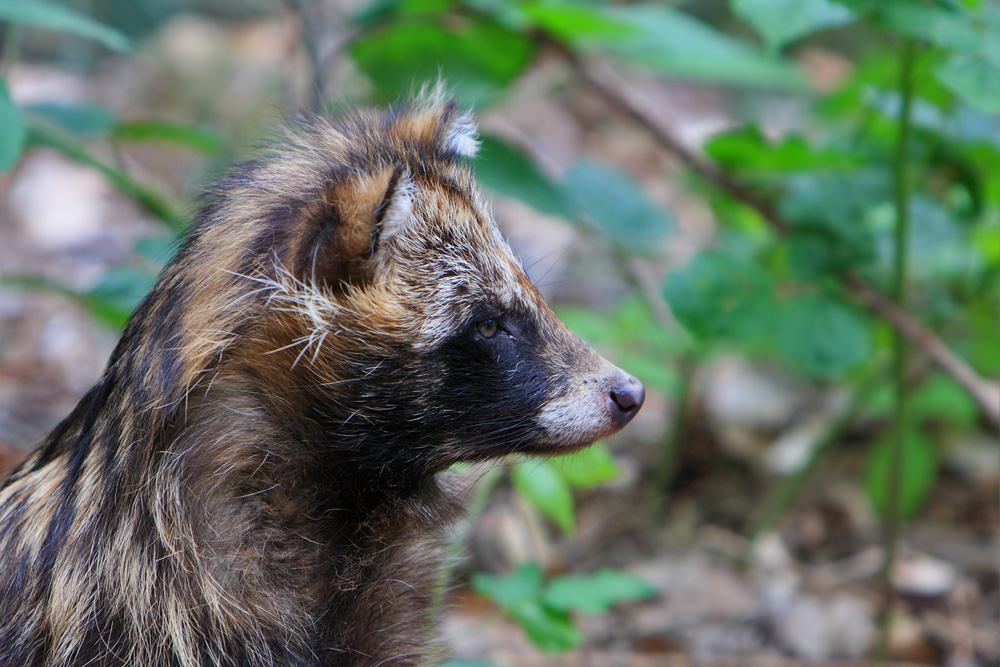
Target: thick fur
<point>252,481</point>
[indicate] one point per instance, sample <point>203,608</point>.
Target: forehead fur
<point>378,213</point>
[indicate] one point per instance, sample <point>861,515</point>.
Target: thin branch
<point>621,100</point>
<point>985,393</point>
<point>309,31</point>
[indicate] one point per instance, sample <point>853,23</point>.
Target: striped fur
<point>253,480</point>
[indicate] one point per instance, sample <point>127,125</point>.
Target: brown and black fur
<point>252,481</point>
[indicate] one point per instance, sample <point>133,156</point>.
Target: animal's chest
<point>378,605</point>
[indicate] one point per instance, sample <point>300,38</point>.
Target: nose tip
<point>627,395</point>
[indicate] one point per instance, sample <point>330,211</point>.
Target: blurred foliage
<point>766,295</point>
<point>548,483</point>
<point>544,608</point>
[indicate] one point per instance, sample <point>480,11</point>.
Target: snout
<point>595,398</point>
<point>625,397</point>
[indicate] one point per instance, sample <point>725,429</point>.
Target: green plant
<point>71,129</point>
<point>547,483</point>
<point>544,608</point>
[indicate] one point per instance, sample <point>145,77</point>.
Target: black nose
<point>627,395</point>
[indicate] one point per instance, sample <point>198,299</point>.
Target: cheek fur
<point>491,393</point>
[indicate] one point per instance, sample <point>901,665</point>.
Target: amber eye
<point>487,328</point>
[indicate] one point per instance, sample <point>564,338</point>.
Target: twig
<point>985,393</point>
<point>632,108</point>
<point>309,29</point>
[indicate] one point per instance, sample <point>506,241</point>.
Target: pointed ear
<point>440,124</point>
<point>358,215</point>
<point>457,131</point>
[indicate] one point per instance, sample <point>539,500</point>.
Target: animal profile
<point>254,479</point>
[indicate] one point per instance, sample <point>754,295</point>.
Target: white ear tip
<point>461,137</point>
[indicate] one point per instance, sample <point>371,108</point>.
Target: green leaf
<point>822,337</point>
<point>476,55</point>
<point>538,480</point>
<point>937,240</point>
<point>91,119</point>
<point>573,21</point>
<point>519,594</point>
<point>880,401</point>
<point>594,327</point>
<point>512,590</point>
<point>941,398</point>
<point>634,338</point>
<point>87,119</point>
<point>814,252</point>
<point>674,43</point>
<point>506,170</point>
<point>152,200</point>
<point>588,467</point>
<point>12,129</point>
<point>835,199</point>
<point>975,77</point>
<point>780,22</point>
<point>972,70</point>
<point>827,210</point>
<point>381,10</point>
<point>202,139</point>
<point>933,22</point>
<point>652,368</point>
<point>747,149</point>
<point>548,629</point>
<point>596,593</point>
<point>720,296</point>
<point>917,476</point>
<point>636,324</point>
<point>50,16</point>
<point>616,204</point>
<point>117,294</point>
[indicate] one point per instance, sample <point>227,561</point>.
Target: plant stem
<point>901,178</point>
<point>782,495</point>
<point>672,445</point>
<point>152,200</point>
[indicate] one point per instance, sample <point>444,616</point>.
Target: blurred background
<point>783,216</point>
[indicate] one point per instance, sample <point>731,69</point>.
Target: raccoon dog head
<point>402,308</point>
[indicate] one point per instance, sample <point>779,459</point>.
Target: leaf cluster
<point>544,608</point>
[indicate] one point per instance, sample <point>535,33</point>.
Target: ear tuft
<point>438,120</point>
<point>396,207</point>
